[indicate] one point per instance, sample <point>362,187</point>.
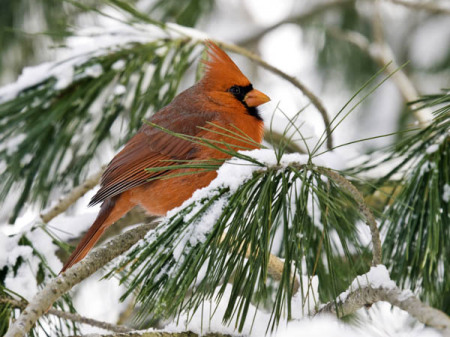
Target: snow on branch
<point>69,316</point>
<point>159,334</point>
<point>64,282</point>
<point>376,286</point>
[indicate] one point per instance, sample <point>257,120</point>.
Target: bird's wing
<point>151,147</point>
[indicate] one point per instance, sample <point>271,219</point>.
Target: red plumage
<point>223,98</point>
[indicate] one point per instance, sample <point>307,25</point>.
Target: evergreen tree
<point>279,230</point>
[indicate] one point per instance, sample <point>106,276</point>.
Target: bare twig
<point>370,219</point>
<point>70,316</point>
<point>365,296</point>
<point>383,55</point>
<point>428,6</point>
<point>297,19</point>
<point>72,197</point>
<point>67,280</point>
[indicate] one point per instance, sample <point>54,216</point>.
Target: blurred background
<point>333,47</point>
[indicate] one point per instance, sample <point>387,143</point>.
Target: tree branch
<point>67,280</point>
<point>297,19</point>
<point>383,56</point>
<point>159,334</point>
<point>425,6</point>
<point>366,296</point>
<point>370,219</point>
<point>70,316</point>
<point>72,197</point>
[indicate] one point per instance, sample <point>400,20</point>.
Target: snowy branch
<point>159,334</point>
<point>70,316</point>
<point>72,197</point>
<point>67,280</point>
<point>376,286</point>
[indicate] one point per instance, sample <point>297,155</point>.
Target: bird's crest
<point>220,67</point>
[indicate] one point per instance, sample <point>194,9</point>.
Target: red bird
<point>223,99</point>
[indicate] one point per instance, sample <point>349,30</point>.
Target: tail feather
<point>107,216</point>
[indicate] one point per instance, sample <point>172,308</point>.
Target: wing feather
<point>151,147</point>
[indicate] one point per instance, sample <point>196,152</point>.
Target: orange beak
<point>255,98</point>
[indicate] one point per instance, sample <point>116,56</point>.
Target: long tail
<point>111,210</point>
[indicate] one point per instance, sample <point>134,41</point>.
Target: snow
<point>193,33</point>
<point>119,90</point>
<point>94,71</point>
<point>23,281</point>
<point>446,194</point>
<point>99,298</point>
<point>64,78</point>
<point>296,60</point>
<point>383,321</point>
<point>432,148</point>
<point>377,277</point>
<point>118,65</point>
<point>88,43</point>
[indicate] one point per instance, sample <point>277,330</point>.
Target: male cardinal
<point>224,99</point>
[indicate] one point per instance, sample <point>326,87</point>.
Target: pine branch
<point>70,316</point>
<point>383,55</point>
<point>54,151</point>
<point>159,334</point>
<point>428,6</point>
<point>67,280</point>
<point>366,296</point>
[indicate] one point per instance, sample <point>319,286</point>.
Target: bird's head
<point>225,81</point>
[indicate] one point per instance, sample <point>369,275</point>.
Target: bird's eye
<point>235,90</point>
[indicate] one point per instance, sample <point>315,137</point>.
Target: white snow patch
<point>446,194</point>
<point>377,277</point>
<point>186,31</point>
<point>118,65</point>
<point>24,281</point>
<point>95,70</point>
<point>64,78</point>
<point>119,90</point>
<point>236,171</point>
<point>201,323</point>
<point>432,148</point>
<point>88,43</point>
